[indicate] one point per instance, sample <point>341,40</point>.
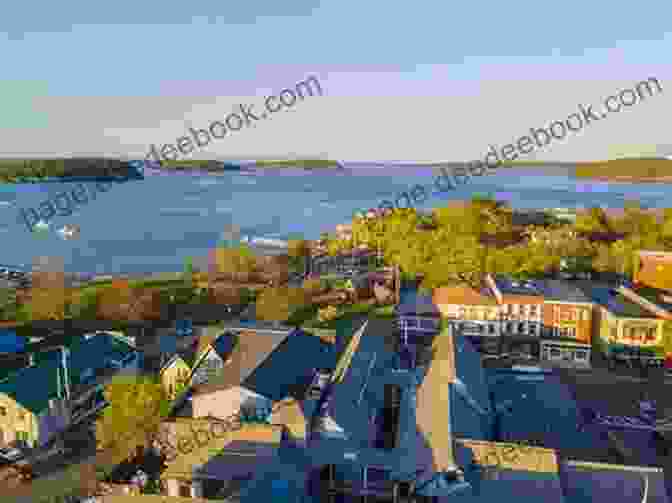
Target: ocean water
<point>153,225</point>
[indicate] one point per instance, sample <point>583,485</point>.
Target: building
<point>521,314</point>
<point>213,353</point>
<point>263,371</point>
<point>473,314</point>
<point>654,268</point>
<point>522,305</point>
<point>568,323</point>
<point>63,386</point>
<point>623,329</point>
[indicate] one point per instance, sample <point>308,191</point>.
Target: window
<point>428,324</point>
<point>21,415</point>
<point>3,411</point>
<point>185,489</point>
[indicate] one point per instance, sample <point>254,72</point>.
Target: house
<point>181,353</point>
<point>264,370</point>
<point>63,386</point>
<point>654,268</point>
<point>214,352</point>
<point>621,324</point>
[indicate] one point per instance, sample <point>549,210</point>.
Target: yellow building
<point>623,322</point>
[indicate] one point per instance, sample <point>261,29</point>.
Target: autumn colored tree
<point>48,298</point>
<point>137,404</point>
<point>115,301</point>
<point>226,294</point>
<point>236,263</point>
<point>278,303</point>
<point>147,305</point>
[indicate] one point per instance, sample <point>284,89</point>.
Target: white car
<point>11,454</point>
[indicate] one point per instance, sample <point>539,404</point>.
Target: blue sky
<point>67,65</point>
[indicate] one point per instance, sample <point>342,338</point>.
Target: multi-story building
<point>472,314</point>
<point>521,314</point>
<point>568,323</point>
<point>624,328</point>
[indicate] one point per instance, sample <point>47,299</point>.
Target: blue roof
<point>10,342</point>
<point>411,302</point>
<point>516,287</point>
<point>544,409</point>
<point>507,485</point>
<point>290,364</point>
<point>34,386</point>
<point>466,420</point>
<point>586,485</point>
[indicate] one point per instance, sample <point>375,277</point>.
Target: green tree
<point>137,404</point>
<point>8,304</point>
<point>85,304</point>
<point>298,251</point>
<point>457,261</point>
<point>235,261</point>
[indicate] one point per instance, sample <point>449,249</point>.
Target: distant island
<point>299,163</point>
<point>655,170</point>
<point>652,170</point>
<point>213,166</point>
<point>70,169</point>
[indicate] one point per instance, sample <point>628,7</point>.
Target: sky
<point>409,81</point>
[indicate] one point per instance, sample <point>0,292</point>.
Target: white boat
<point>69,231</point>
<point>41,226</point>
<point>279,243</point>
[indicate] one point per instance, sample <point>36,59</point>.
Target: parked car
<point>11,454</point>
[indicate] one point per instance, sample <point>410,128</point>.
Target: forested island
<point>41,170</point>
<point>627,170</point>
